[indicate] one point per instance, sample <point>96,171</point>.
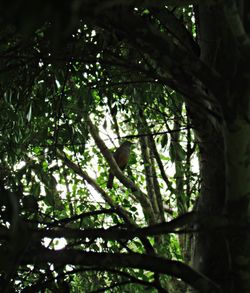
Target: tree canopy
<point>78,79</point>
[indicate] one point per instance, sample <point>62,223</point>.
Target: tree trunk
<point>224,255</point>
<point>237,141</point>
<point>209,254</point>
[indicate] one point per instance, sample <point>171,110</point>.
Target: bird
<point>121,156</point>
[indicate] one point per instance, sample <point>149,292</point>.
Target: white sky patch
<point>57,243</point>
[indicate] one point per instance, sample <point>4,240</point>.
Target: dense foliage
<point>76,80</point>
<point>53,176</point>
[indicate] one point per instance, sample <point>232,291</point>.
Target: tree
<point>145,63</point>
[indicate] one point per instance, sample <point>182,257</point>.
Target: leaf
<point>132,159</point>
<point>176,152</point>
<point>164,140</point>
<point>181,152</point>
<point>37,150</point>
<point>29,114</point>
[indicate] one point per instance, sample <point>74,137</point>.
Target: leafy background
<point>57,71</point>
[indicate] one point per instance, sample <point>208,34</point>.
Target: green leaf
<point>176,152</point>
<point>164,140</point>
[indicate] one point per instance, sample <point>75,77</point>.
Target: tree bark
<point>224,158</point>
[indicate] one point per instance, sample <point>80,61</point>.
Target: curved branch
<point>134,260</point>
<point>113,233</point>
<point>129,279</point>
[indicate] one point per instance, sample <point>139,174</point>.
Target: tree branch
<point>176,27</point>
<point>134,260</point>
<point>114,233</point>
<point>120,210</point>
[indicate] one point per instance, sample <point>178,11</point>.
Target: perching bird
<point>121,155</point>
